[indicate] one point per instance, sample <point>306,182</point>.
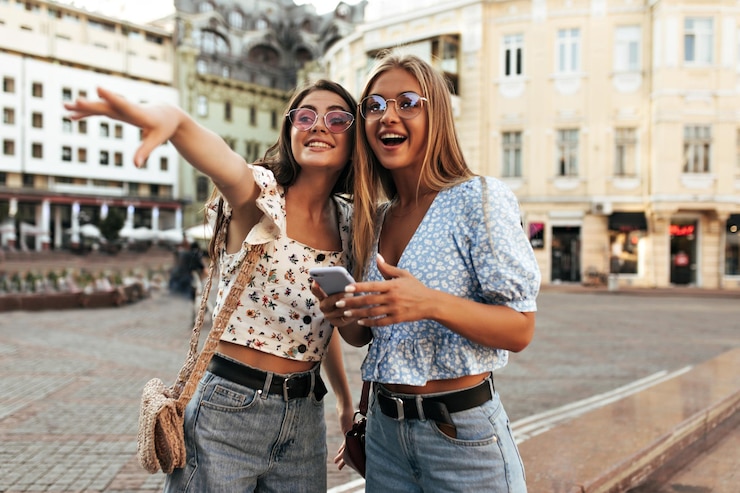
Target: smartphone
<point>331,279</point>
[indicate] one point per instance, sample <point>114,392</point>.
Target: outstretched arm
<point>203,149</point>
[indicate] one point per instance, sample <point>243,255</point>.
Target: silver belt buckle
<point>399,408</point>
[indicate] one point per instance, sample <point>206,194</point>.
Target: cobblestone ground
<point>70,381</point>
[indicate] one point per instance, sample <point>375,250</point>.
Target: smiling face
<point>318,147</point>
<point>397,142</point>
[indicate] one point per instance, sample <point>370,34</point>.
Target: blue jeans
<point>415,456</point>
<point>241,440</point>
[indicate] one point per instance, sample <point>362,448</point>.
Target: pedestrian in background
<point>449,288</point>
<point>256,421</point>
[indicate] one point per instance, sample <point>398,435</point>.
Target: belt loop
<point>419,408</point>
<point>266,387</point>
<point>313,383</point>
<point>490,383</point>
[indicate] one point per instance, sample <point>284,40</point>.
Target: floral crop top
<point>277,313</point>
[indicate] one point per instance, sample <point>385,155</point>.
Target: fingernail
<point>340,304</point>
<point>349,289</point>
<point>360,322</point>
<point>380,258</point>
<point>347,313</point>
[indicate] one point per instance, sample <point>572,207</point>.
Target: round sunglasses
<point>408,105</point>
<point>336,121</point>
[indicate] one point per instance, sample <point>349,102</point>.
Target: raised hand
<point>159,122</point>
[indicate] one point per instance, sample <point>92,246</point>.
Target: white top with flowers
<point>277,313</point>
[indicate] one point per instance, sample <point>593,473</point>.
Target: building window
<point>201,66</point>
<point>513,47</point>
<point>625,152</point>
<point>104,130</point>
<point>9,85</point>
<point>66,153</point>
<point>213,43</point>
<point>202,108</point>
<point>118,159</point>
<point>82,155</point>
<point>227,111</point>
<point>9,116</point>
<point>66,94</point>
<point>37,90</point>
<point>133,189</point>
<point>104,158</point>
<point>568,51</point>
<point>698,40</point>
<point>66,125</point>
<point>253,115</point>
<point>567,152</point>
<point>697,149</point>
<point>82,126</point>
<point>274,119</point>
<point>163,164</point>
<point>732,246</point>
<point>82,94</point>
<point>236,19</point>
<point>118,131</point>
<point>625,251</point>
<point>201,188</point>
<point>154,190</point>
<point>512,154</point>
<point>627,49</point>
<point>37,150</point>
<point>37,120</point>
<point>8,147</point>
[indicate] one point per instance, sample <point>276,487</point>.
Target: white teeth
<point>391,136</point>
<point>322,145</point>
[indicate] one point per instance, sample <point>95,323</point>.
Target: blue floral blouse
<point>471,244</point>
<point>277,313</point>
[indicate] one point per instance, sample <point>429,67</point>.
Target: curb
<point>624,444</point>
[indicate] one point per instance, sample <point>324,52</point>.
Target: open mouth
<point>392,139</point>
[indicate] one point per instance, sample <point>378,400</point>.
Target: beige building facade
<point>617,124</point>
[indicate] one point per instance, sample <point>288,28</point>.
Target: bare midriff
<point>435,386</point>
<point>261,360</point>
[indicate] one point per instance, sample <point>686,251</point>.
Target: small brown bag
<point>354,439</point>
<point>161,436</point>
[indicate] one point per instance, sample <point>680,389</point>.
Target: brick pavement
<point>70,381</point>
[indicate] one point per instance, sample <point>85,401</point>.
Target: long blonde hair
<point>443,165</point>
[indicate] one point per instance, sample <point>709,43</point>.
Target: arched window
<point>205,6</point>
<point>201,66</point>
<point>264,54</point>
<point>236,19</point>
<point>261,24</point>
<point>213,43</point>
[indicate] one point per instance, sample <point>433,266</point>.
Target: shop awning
<point>627,221</point>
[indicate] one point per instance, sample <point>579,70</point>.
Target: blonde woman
<point>449,286</point>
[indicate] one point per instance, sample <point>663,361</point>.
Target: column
<point>43,241</point>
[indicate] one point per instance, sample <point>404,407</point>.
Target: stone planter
<point>63,301</point>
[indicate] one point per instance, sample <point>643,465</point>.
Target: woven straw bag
<point>161,435</point>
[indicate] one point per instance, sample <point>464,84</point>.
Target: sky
<point>147,10</point>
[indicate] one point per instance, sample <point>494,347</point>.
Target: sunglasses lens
<point>338,121</point>
<point>409,104</point>
<point>373,107</point>
<point>302,118</point>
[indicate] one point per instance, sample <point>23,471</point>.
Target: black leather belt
<point>292,386</point>
<point>436,408</point>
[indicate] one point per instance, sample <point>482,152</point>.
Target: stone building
<point>238,62</point>
<point>615,123</point>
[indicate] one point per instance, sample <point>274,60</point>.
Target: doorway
<point>565,254</point>
<point>683,251</point>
